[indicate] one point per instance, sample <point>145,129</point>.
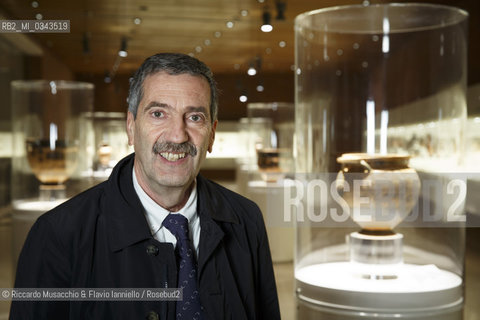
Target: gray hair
<point>172,64</point>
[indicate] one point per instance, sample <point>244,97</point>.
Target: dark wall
<point>111,97</point>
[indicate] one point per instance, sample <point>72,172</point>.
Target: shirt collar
<point>155,213</point>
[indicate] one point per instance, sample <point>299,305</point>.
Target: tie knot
<point>177,224</point>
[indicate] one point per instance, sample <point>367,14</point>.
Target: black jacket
<point>101,239</point>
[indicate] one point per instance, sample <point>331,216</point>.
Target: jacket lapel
<point>127,224</point>
<point>213,211</point>
<point>210,237</point>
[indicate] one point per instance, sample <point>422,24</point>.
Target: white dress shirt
<point>155,215</point>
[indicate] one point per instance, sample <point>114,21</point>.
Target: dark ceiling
<point>198,27</point>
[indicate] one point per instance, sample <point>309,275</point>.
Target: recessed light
<point>266,28</point>
<point>266,22</point>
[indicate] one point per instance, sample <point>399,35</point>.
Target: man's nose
<point>177,130</point>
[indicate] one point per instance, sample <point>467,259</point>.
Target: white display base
<point>269,197</point>
<point>418,291</point>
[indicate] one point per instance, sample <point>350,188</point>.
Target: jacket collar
<point>214,209</point>
<point>212,204</point>
<point>126,222</point>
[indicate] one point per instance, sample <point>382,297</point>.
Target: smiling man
<point>171,131</point>
<point>156,223</point>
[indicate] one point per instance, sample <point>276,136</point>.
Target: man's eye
<point>157,114</point>
<point>196,118</point>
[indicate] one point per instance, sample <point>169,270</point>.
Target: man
<point>119,234</point>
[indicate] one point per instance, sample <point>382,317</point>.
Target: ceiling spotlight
<point>260,87</point>
<point>107,78</point>
<point>86,43</point>
<point>35,4</point>
<point>255,66</point>
<point>39,16</point>
<point>243,98</point>
<point>123,48</point>
<point>137,21</point>
<point>217,34</point>
<point>266,26</point>
<point>244,13</point>
<point>229,24</point>
<point>281,6</point>
<point>252,71</point>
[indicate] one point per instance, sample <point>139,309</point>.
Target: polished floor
<point>283,273</point>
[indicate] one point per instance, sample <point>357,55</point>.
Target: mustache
<point>168,146</point>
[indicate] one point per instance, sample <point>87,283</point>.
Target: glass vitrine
<point>378,200</point>
<point>51,147</point>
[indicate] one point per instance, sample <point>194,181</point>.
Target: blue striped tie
<point>189,307</point>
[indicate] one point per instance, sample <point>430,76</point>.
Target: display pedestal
<point>50,193</point>
<point>340,290</point>
<point>269,197</point>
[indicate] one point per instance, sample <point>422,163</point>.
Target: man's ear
<point>212,136</point>
<point>130,128</point>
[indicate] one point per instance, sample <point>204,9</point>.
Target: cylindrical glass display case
<point>51,128</point>
<point>271,162</point>
<point>379,206</point>
<point>111,142</point>
<point>272,130</point>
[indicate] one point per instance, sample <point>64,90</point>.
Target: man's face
<point>172,131</point>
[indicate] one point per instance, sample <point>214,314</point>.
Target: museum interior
<point>354,125</point>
